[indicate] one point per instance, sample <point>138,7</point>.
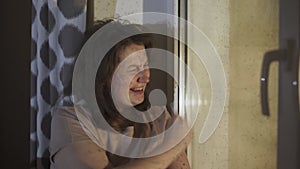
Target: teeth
<point>138,89</point>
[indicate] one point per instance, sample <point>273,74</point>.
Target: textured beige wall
<point>241,31</point>
<point>104,9</point>
<point>252,137</point>
<point>211,17</point>
<point>129,7</point>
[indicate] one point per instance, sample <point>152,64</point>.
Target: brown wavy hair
<point>108,65</point>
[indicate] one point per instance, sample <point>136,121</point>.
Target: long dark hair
<point>108,65</point>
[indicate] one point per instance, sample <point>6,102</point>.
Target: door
<point>288,97</point>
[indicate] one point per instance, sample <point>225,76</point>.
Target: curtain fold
<point>57,33</point>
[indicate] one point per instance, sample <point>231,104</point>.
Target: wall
<point>213,19</point>
<point>241,31</point>
<point>253,31</point>
<point>104,9</point>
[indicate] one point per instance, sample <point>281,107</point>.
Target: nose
<point>144,76</point>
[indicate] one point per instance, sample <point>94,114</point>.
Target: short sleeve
<point>70,147</point>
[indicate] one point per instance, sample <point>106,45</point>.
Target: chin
<point>137,101</point>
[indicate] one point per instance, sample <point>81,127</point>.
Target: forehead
<point>137,51</point>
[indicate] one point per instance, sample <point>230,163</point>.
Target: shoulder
<point>65,128</point>
<point>70,142</point>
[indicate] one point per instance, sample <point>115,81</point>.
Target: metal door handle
<point>269,57</point>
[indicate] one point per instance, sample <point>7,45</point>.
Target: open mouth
<point>137,90</point>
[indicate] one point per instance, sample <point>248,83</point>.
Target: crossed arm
<point>87,155</point>
<point>71,148</point>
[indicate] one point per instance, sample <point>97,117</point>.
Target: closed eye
<point>133,68</point>
<point>137,68</point>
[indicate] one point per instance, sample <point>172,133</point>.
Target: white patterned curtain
<point>57,34</point>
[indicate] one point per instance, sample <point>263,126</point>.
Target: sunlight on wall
<point>104,9</point>
<point>212,18</point>
<point>252,137</point>
<point>241,31</point>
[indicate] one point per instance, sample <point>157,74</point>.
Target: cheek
<point>134,80</point>
<point>120,86</point>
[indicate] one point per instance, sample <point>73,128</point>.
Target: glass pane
<point>241,32</point>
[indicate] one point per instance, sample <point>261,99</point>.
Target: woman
<point>121,94</point>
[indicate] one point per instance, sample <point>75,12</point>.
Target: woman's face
<point>132,74</point>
